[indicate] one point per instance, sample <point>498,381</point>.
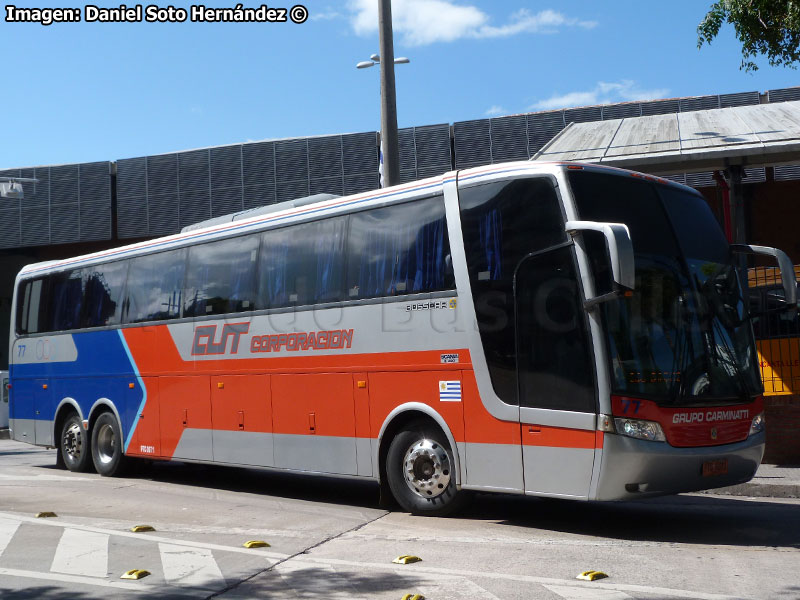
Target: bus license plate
<point>715,467</point>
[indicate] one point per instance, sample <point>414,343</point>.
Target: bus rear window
<point>30,307</point>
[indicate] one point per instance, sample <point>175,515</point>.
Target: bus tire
<point>421,471</point>
<point>107,453</point>
<point>74,445</point>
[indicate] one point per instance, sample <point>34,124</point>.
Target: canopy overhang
<point>704,140</point>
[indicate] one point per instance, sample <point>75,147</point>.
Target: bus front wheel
<point>74,445</point>
<point>421,471</point>
<point>107,453</point>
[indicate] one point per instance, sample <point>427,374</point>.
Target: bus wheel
<point>74,445</point>
<point>420,471</point>
<point>107,453</point>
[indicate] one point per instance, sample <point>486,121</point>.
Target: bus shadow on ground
<point>686,519</point>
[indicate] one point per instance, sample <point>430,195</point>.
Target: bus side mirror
<point>784,264</point>
<point>620,252</point>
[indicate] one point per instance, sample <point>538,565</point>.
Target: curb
<point>758,490</point>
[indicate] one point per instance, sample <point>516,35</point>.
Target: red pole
<point>726,205</point>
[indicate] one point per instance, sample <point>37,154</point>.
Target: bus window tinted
<point>66,297</point>
<point>303,264</point>
<point>104,285</point>
<point>401,249</point>
<point>155,287</point>
<point>221,277</point>
<point>30,309</point>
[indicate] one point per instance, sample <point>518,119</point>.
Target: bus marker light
<point>45,515</point>
<point>361,384</point>
<point>44,386</point>
<point>256,544</point>
<point>406,559</point>
<point>591,575</point>
<point>413,597</point>
<point>142,528</point>
<point>131,386</point>
<point>135,574</point>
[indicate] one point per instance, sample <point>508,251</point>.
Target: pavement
<point>771,481</point>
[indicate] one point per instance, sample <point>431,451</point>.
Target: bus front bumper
<point>634,468</point>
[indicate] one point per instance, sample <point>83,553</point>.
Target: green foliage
<point>764,27</point>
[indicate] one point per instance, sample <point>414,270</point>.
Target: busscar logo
<point>204,344</point>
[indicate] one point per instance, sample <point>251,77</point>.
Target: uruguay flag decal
<point>450,391</point>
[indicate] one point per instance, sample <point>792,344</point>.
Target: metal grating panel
<point>162,214</point>
<point>162,175</point>
<point>258,195</point>
<point>194,180</point>
<point>623,110</point>
<point>678,178</point>
<point>327,185</point>
<point>65,223</point>
<point>755,175</point>
<point>473,143</point>
<point>258,164</point>
<point>660,107</point>
<point>64,184</point>
<point>784,94</point>
<point>132,217</point>
<point>10,223</point>
<point>35,225</point>
<point>740,99</point>
<point>408,153</point>
<point>195,206</point>
<point>700,180</point>
<point>291,161</point>
<point>787,172</point>
<point>432,144</point>
<point>543,127</point>
<point>289,190</point>
<point>360,154</point>
<point>583,115</point>
<point>225,201</point>
<point>699,103</point>
<point>407,176</point>
<point>131,177</point>
<point>325,157</point>
<point>226,167</point>
<point>356,184</point>
<point>509,138</point>
<point>95,221</point>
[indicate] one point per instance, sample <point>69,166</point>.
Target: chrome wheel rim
<point>426,468</point>
<point>73,442</point>
<point>106,444</point>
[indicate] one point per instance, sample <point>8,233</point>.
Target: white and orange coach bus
<point>555,330</point>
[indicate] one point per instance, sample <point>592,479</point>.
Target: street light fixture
<point>389,136</point>
<point>11,187</point>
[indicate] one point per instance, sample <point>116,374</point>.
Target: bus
<point>549,329</point>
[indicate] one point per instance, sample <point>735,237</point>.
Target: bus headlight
<point>757,425</point>
<point>639,429</point>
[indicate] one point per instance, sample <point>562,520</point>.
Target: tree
<point>764,27</point>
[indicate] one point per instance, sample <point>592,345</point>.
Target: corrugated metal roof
<point>756,135</point>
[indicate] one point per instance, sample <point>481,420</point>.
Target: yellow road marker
<point>256,544</point>
<point>591,575</point>
<point>45,515</point>
<point>413,597</point>
<point>142,528</point>
<point>134,574</point>
<point>406,559</point>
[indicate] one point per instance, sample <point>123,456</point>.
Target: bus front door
<point>555,375</point>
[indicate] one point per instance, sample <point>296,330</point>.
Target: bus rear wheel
<point>74,445</point>
<point>107,453</point>
<point>421,471</point>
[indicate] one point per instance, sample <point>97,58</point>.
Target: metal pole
<point>389,136</point>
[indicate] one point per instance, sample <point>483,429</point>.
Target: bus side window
<point>397,250</point>
<point>221,277</point>
<point>155,287</point>
<point>66,300</point>
<point>303,264</point>
<point>102,302</point>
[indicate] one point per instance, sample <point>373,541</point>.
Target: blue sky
<point>98,91</point>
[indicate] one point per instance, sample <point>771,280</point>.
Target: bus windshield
<point>684,336</point>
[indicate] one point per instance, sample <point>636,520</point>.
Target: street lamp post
<point>389,137</point>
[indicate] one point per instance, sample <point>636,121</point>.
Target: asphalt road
<point>329,538</point>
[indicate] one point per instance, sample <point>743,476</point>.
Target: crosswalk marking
<point>82,553</point>
<point>585,593</point>
<point>8,528</point>
<point>190,566</point>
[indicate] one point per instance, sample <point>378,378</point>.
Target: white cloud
<point>495,111</point>
<point>422,22</point>
<point>603,92</point>
<point>326,15</point>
